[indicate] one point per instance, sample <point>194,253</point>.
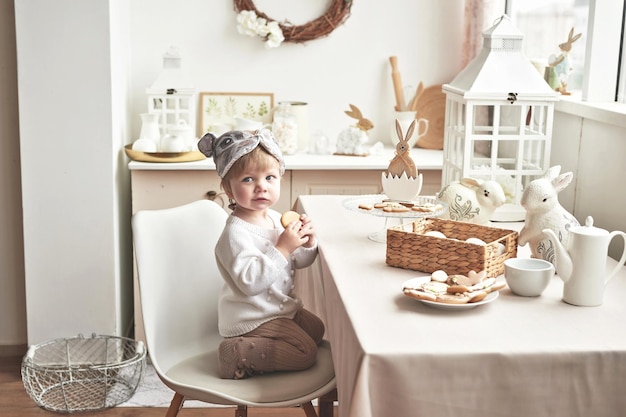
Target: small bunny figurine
<point>352,140</point>
<point>559,67</point>
<point>362,123</point>
<point>402,161</point>
<point>543,211</point>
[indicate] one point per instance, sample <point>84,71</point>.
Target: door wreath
<point>252,22</point>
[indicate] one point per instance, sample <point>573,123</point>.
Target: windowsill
<point>604,112</point>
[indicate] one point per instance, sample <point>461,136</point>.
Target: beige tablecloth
<point>516,356</point>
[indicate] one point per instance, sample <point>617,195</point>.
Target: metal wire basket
<point>83,374</point>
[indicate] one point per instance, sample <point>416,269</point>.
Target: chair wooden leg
<point>241,411</point>
<point>309,410</point>
<point>326,404</point>
<point>175,405</point>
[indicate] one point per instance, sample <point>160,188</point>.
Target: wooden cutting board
<point>432,106</point>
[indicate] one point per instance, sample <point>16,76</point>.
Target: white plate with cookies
<point>455,292</point>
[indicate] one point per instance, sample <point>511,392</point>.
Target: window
<point>546,24</point>
<point>595,57</point>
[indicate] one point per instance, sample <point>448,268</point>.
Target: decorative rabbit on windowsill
<point>559,66</point>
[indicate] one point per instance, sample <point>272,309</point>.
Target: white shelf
<point>425,159</point>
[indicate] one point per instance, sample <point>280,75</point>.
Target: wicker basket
<point>408,248</point>
<point>83,374</point>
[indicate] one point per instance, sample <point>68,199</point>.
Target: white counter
<point>425,159</point>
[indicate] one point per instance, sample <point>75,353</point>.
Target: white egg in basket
<point>401,188</point>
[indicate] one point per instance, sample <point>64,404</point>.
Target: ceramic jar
<point>185,131</point>
<point>300,110</point>
<point>176,138</point>
<point>150,127</point>
<point>150,135</point>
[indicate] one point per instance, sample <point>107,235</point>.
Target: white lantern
<point>498,123</point>
<point>172,96</point>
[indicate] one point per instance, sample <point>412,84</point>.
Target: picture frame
<point>218,110</point>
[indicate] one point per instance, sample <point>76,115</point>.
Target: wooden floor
<point>15,402</point>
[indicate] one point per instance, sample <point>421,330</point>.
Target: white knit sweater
<point>259,280</point>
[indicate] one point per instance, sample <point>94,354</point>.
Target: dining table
<point>398,356</point>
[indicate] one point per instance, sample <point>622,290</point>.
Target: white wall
<point>349,66</point>
<point>592,145</point>
<point>72,127</point>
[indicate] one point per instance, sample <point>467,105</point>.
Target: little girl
<point>264,324</point>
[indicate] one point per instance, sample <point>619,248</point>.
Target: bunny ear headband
<point>231,146</point>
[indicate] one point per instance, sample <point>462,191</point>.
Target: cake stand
<point>353,203</point>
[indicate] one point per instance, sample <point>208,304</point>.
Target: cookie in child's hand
<point>288,217</point>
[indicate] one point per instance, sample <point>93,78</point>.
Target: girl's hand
<point>291,238</point>
<point>307,230</point>
<point>297,233</point>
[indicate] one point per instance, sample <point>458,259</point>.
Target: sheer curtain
<point>479,15</point>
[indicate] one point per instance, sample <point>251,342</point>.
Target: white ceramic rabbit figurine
<point>543,211</point>
<point>472,200</point>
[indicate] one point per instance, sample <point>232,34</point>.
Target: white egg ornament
<point>476,241</point>
<point>435,233</point>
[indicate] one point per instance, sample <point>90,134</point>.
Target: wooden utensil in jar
<point>397,83</point>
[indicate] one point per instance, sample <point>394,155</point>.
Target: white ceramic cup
<point>528,277</point>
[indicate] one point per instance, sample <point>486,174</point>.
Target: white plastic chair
<point>179,286</point>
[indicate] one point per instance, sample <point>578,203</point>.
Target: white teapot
<point>582,265</point>
<point>178,138</point>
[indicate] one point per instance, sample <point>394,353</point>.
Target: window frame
<point>603,50</point>
<point>604,55</point>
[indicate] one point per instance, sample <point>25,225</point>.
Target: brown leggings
<point>278,345</point>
